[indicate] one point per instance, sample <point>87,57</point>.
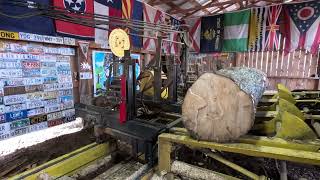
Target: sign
<point>86,75</point>
<point>30,37</point>
<point>4,131</point>
<point>37,127</point>
<point>53,39</point>
<point>69,41</point>
<point>55,122</point>
<point>15,107</point>
<point>38,119</point>
<point>33,88</point>
<point>14,90</point>
<point>11,116</point>
<point>31,64</point>
<point>53,108</point>
<point>2,118</point>
<point>31,72</point>
<point>37,111</point>
<point>55,115</point>
<point>11,73</point>
<point>19,132</point>
<point>119,42</point>
<point>14,82</point>
<point>34,96</point>
<point>67,92</point>
<point>9,35</point>
<point>34,104</point>
<point>33,81</point>
<point>69,119</point>
<point>50,95</point>
<point>19,124</point>
<point>14,99</point>
<point>48,64</point>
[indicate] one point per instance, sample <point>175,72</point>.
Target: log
<point>220,107</point>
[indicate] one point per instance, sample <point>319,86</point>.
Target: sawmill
<point>159,89</point>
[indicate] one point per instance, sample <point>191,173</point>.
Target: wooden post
<point>157,72</point>
<point>164,155</point>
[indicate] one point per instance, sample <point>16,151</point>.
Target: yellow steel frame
<point>68,163</point>
<point>255,148</point>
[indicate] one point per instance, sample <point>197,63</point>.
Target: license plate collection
<point>36,89</point>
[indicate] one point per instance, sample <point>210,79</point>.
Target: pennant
<point>71,29</point>
<point>258,23</point>
<point>236,30</point>
<point>211,34</point>
<point>36,24</point>
<point>84,46</point>
<point>133,9</point>
<point>302,26</point>
<point>174,36</point>
<point>111,8</point>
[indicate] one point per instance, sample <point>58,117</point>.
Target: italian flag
<point>236,28</point>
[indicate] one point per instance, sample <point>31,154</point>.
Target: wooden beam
<point>215,3</point>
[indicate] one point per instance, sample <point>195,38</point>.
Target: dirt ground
<point>27,158</point>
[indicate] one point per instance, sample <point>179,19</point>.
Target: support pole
<point>157,72</point>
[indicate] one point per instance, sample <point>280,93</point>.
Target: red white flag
<point>194,32</point>
<point>151,15</point>
<point>302,27</point>
<point>75,7</point>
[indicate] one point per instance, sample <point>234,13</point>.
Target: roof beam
<point>214,3</point>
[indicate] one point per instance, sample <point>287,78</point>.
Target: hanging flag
<point>151,15</point>
<point>302,26</point>
<point>110,8</point>
<point>193,35</point>
<point>264,28</point>
<point>84,46</point>
<point>36,24</point>
<point>174,36</point>
<point>74,8</point>
<point>236,30</point>
<point>133,9</point>
<point>211,34</point>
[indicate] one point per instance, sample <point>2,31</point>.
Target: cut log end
<point>216,109</point>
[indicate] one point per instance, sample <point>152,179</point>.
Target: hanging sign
<point>9,35</point>
<point>119,42</point>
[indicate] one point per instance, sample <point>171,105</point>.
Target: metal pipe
<point>233,166</point>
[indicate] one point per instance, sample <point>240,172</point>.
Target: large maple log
<point>220,107</point>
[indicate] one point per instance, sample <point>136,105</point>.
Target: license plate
<point>34,81</point>
<point>50,80</point>
<point>37,127</point>
<point>64,79</point>
<point>2,118</point>
<point>31,72</point>
<point>36,49</point>
<point>55,122</point>
<point>33,88</point>
<point>67,105</point>
<point>69,41</point>
<point>67,92</point>
<point>49,58</point>
<point>14,99</point>
<point>14,82</point>
<point>19,132</point>
<point>50,95</point>
<point>1,100</point>
<point>10,64</point>
<point>38,119</point>
<point>48,72</point>
<point>63,58</point>
<point>11,73</point>
<point>50,102</point>
<point>19,124</point>
<point>51,87</point>
<point>54,108</point>
<point>55,115</point>
<point>11,116</point>
<point>48,64</point>
<point>69,119</point>
<point>2,109</point>
<point>64,86</point>
<point>69,112</point>
<point>37,111</point>
<point>14,90</point>
<point>35,96</point>
<point>4,131</point>
<point>15,107</point>
<point>31,64</point>
<point>64,99</point>
<point>34,104</point>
